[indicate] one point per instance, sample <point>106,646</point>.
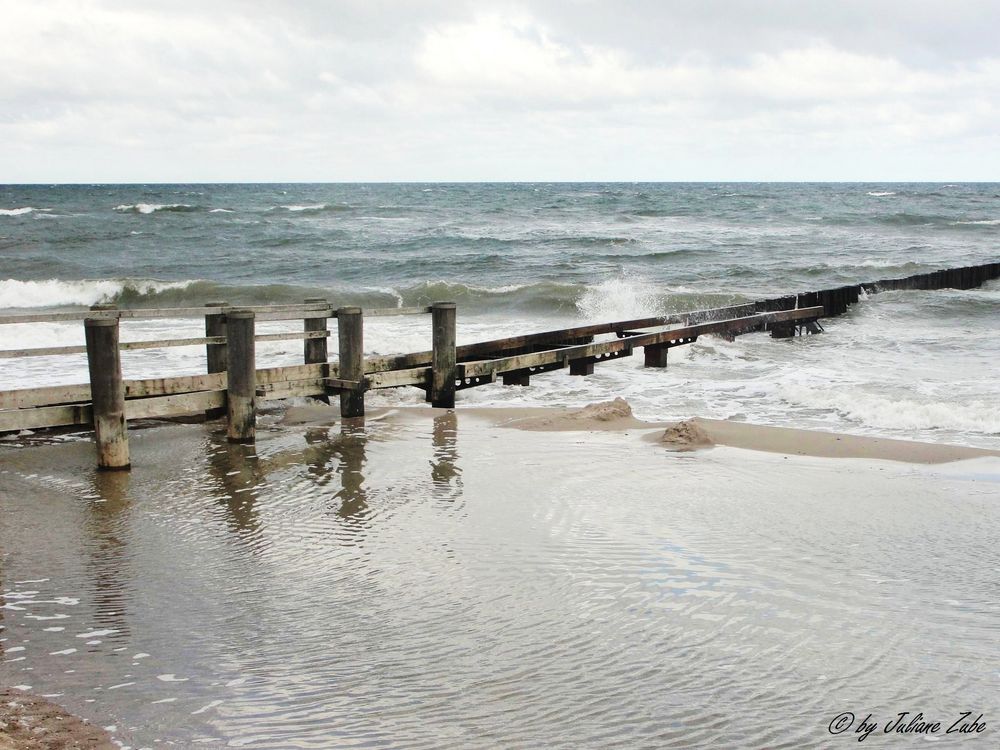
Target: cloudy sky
<point>372,90</point>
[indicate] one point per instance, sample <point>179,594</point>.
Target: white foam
<point>317,207</point>
<point>987,222</point>
<point>880,193</point>
<point>148,208</point>
<point>618,299</point>
<point>20,211</point>
<point>222,211</point>
<point>884,412</point>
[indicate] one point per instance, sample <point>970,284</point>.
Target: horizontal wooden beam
<point>282,312</point>
<point>567,354</point>
<point>395,378</point>
<point>46,416</point>
<point>174,405</point>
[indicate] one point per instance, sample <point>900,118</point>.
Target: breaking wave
<point>907,415</point>
<point>613,298</point>
<point>15,293</point>
<point>21,211</point>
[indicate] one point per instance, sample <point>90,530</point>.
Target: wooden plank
<point>387,311</point>
<point>174,405</point>
<point>520,362</point>
<point>179,384</point>
<point>294,314</point>
<point>45,396</point>
<point>395,378</point>
<point>345,385</point>
<point>555,336</point>
<point>295,372</point>
<point>47,351</point>
<point>292,389</point>
<point>46,416</point>
<point>292,335</point>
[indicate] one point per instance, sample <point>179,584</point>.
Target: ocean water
<point>524,257</point>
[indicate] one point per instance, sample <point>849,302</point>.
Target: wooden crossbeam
<point>520,362</point>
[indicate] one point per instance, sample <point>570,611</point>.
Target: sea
<point>528,257</point>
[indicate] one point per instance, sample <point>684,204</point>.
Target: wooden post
<point>444,367</point>
<point>241,387</point>
<point>350,335</point>
<point>655,356</point>
<point>581,367</point>
<point>216,355</point>
<point>314,351</point>
<point>107,391</point>
<point>516,377</point>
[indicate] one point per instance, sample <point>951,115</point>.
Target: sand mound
<point>604,411</point>
<point>686,436</point>
<point>604,415</point>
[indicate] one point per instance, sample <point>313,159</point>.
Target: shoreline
<point>693,434</point>
<point>31,722</point>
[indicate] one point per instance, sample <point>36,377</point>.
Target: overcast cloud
<point>354,91</point>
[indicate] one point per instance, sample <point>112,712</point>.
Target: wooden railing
<point>233,384</point>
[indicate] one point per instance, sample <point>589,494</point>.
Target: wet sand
<point>691,434</point>
<point>29,722</point>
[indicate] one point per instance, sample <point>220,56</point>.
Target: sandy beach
<point>134,595</point>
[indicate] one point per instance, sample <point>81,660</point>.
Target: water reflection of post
<point>106,526</point>
<point>445,474</point>
<point>238,473</point>
<point>349,447</point>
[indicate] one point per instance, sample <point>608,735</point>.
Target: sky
<point>575,90</point>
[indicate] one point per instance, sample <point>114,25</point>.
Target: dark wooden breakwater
<point>233,384</point>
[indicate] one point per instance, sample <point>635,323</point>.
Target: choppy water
<point>528,257</point>
<point>397,585</point>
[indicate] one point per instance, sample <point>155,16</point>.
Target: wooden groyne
<point>233,384</point>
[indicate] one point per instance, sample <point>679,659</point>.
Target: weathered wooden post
<point>314,351</point>
<point>581,367</point>
<point>655,355</point>
<point>444,367</point>
<point>350,339</point>
<point>216,355</point>
<point>241,385</point>
<point>107,391</point>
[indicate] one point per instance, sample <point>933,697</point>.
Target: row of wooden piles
<point>835,301</point>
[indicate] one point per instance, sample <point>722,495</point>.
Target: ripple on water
<point>429,584</point>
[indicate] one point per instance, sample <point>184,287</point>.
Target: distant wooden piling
<point>350,337</point>
<point>107,391</point>
<point>444,369</point>
<point>216,355</point>
<point>241,386</point>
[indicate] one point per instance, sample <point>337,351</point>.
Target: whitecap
<point>20,211</point>
<point>880,193</point>
<point>317,207</point>
<point>149,208</point>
